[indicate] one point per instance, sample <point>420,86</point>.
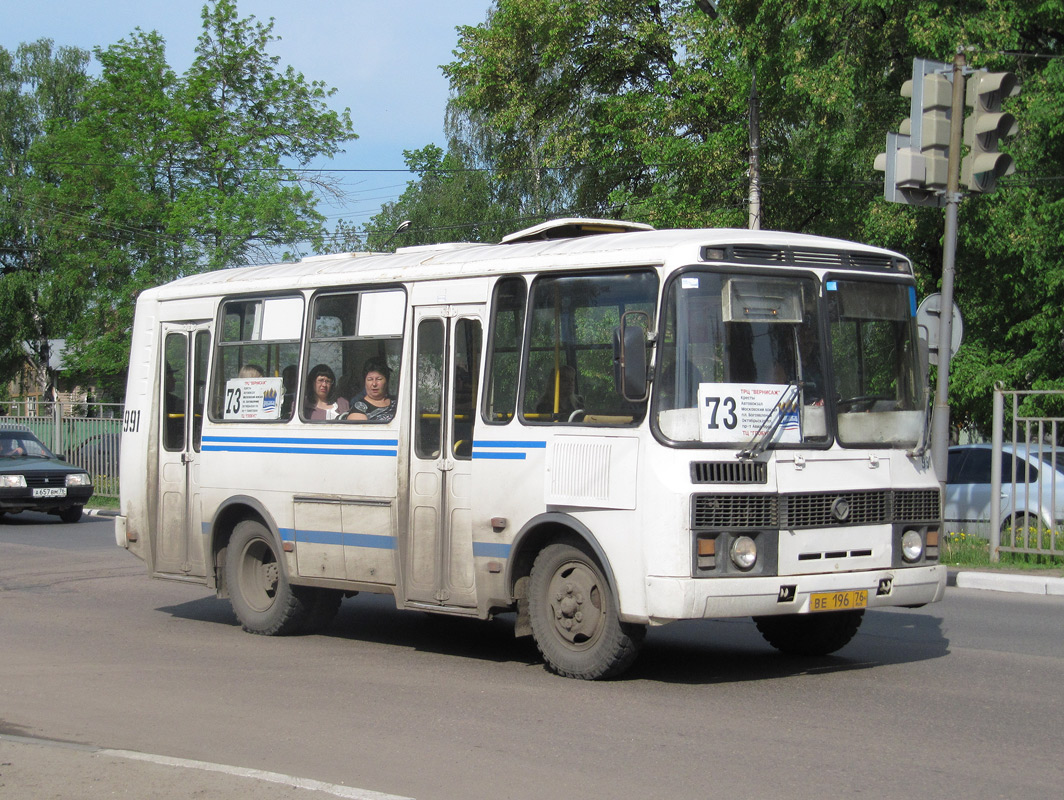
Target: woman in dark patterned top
<point>374,404</point>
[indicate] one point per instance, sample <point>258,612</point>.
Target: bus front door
<point>178,542</point>
<point>439,542</point>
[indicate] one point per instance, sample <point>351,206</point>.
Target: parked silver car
<point>1032,486</point>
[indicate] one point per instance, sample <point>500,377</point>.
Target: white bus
<point>594,424</point>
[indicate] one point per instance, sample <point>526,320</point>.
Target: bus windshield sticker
<point>253,398</point>
<point>736,412</point>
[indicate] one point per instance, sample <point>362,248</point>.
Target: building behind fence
<point>86,434</point>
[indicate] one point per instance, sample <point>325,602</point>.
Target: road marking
<point>350,792</point>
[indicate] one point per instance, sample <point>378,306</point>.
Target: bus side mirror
<point>630,356</point>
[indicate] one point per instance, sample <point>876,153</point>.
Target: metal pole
<point>940,420</point>
<point>754,219</point>
<point>995,471</point>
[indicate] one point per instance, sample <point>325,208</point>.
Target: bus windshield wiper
<point>786,401</point>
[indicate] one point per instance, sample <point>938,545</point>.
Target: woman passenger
<point>374,404</point>
<point>321,400</point>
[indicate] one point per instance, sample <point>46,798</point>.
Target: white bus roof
<point>595,244</point>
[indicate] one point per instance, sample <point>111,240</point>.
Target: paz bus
<point>593,424</point>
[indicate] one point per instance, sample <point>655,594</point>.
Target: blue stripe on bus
<point>372,540</point>
<point>322,451</point>
<point>299,440</point>
<point>485,449</point>
<point>491,550</point>
<point>490,443</point>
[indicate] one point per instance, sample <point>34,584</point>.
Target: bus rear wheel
<point>262,598</point>
<point>810,634</point>
<point>574,616</point>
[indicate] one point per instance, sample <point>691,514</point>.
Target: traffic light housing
<point>985,128</point>
<point>916,159</point>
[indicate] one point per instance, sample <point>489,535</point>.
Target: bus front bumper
<point>671,599</point>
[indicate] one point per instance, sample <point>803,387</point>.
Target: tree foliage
<point>155,175</point>
<point>641,110</point>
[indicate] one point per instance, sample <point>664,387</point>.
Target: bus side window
<point>507,332</point>
<point>257,338</point>
<point>570,370</point>
<point>354,334</point>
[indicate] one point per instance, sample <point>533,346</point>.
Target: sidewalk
<point>1047,583</point>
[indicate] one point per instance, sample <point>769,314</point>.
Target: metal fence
<point>1034,490</point>
<point>87,435</point>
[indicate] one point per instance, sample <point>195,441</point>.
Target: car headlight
<point>744,552</point>
<point>912,546</point>
<point>13,481</point>
<point>78,479</point>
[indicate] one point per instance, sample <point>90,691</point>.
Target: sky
<point>382,56</point>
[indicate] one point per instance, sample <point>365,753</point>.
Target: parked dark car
<point>32,478</point>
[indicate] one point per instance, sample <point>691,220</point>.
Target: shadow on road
<point>695,651</point>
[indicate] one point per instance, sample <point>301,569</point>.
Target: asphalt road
<point>107,676</point>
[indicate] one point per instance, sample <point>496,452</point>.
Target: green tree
<point>164,175</point>
<point>640,110</point>
<point>41,88</point>
<point>447,202</point>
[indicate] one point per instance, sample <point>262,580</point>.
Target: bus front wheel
<point>574,616</point>
<point>262,598</point>
<point>810,634</point>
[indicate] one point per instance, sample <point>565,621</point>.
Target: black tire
<point>574,616</point>
<point>261,596</point>
<point>810,634</point>
<point>71,514</point>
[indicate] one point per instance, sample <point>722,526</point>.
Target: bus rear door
<point>178,543</point>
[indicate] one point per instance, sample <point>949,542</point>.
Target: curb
<point>101,512</point>
<point>1008,582</point>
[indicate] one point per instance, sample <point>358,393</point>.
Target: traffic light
<point>985,127</point>
<point>916,158</point>
<point>935,108</point>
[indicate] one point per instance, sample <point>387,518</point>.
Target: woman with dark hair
<point>374,404</point>
<point>321,400</point>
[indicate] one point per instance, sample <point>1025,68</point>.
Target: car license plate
<point>57,491</point>
<point>838,601</point>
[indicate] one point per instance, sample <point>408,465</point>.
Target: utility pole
<point>755,154</point>
<point>940,416</point>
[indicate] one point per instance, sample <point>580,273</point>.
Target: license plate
<point>57,491</point>
<point>838,601</point>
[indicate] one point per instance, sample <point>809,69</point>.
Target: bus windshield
<point>745,360</point>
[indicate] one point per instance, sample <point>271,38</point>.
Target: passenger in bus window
<point>568,400</point>
<point>322,402</point>
<point>250,371</point>
<point>373,403</point>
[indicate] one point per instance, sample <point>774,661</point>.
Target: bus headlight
<point>13,481</point>
<point>744,552</point>
<point>912,546</point>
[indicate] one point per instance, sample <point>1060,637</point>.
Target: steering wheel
<point>862,402</point>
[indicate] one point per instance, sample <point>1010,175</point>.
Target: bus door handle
<point>445,465</point>
<point>186,458</point>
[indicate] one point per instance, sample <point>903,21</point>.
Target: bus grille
<point>822,510</point>
<point>729,472</point>
<point>735,511</point>
<point>819,510</point>
<point>916,505</point>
